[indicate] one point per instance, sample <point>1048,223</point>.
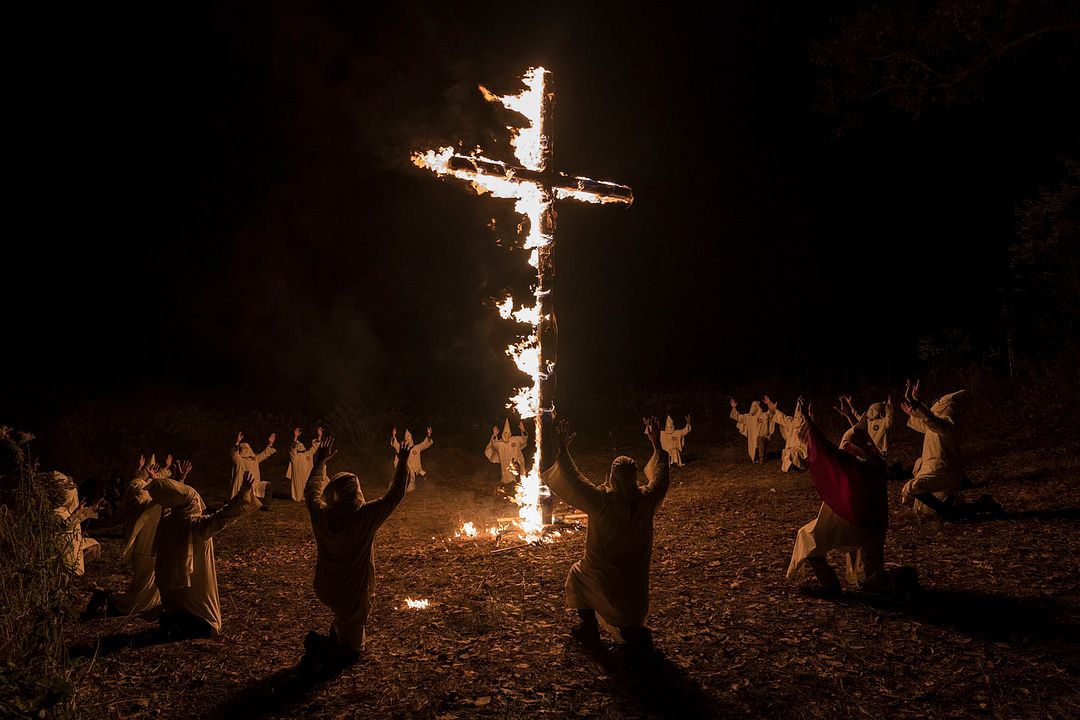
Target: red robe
<point>854,489</point>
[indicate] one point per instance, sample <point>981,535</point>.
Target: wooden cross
<point>535,185</point>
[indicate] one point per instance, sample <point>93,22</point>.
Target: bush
<point>36,595</point>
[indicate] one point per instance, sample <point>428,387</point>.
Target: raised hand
<point>687,418</point>
<point>168,461</point>
<point>239,437</point>
<point>142,461</point>
<point>393,432</point>
<point>429,431</point>
<point>325,451</point>
<point>733,404</point>
<point>270,440</point>
<point>494,430</point>
<point>319,431</point>
<point>652,430</point>
<point>249,480</point>
<point>296,434</point>
<point>521,426</point>
<point>403,452</point>
<point>563,436</point>
<point>185,468</point>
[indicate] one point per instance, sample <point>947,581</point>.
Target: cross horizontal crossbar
<point>564,185</point>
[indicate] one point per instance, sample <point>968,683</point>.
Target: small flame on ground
<point>416,604</point>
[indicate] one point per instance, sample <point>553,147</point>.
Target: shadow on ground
<point>991,616</point>
<point>115,642</point>
<point>660,687</point>
<point>280,693</point>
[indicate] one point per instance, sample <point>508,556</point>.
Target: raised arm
<point>685,430</point>
<point>379,510</point>
<point>491,452</point>
<point>779,417</point>
<point>657,470</point>
<point>920,417</point>
<point>425,443</point>
<point>846,410</point>
<point>269,449</point>
<point>564,478</point>
<point>316,482</point>
<point>241,504</point>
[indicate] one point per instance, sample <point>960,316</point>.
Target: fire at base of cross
<point>534,186</point>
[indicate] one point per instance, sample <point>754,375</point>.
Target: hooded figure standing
<point>300,460</point>
<point>756,426</point>
<point>344,527</point>
<point>672,440</point>
<point>938,475</point>
<point>246,461</point>
<point>413,463</point>
<point>793,456</point>
<point>612,578</point>
<point>184,545</point>
<point>506,451</point>
<point>854,513</point>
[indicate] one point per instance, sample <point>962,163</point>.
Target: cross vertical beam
<point>534,185</point>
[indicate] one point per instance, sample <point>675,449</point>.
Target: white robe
<point>245,460</point>
<point>143,516</point>
<point>76,545</point>
<point>864,550</point>
<point>612,576</point>
<point>756,426</point>
<point>673,440</point>
<point>794,453</point>
<point>940,469</point>
<point>506,451</point>
<point>300,460</point>
<point>345,568</point>
<point>184,569</point>
<point>413,463</point>
<point>879,420</point>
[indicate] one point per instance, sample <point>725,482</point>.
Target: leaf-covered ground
<point>994,635</point>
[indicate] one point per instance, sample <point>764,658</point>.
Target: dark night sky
<point>218,200</point>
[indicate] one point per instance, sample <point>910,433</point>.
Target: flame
<point>416,604</point>
<point>469,530</point>
<point>532,200</point>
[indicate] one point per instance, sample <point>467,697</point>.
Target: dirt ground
<point>994,634</point>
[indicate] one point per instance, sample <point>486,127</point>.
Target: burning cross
<point>534,186</point>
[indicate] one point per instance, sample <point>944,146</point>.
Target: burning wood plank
<point>534,186</point>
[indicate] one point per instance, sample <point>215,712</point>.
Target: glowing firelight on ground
<point>534,187</point>
<point>416,604</point>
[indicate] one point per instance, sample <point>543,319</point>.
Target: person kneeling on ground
<point>854,514</point>
<point>184,569</point>
<point>938,476</point>
<point>612,578</point>
<point>344,527</point>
